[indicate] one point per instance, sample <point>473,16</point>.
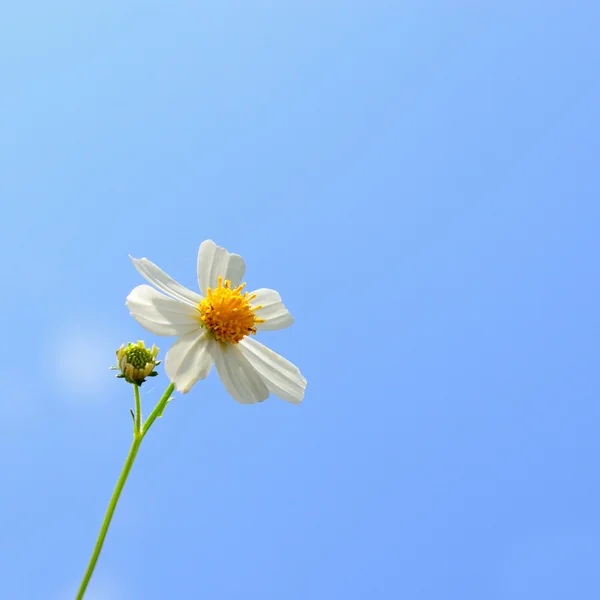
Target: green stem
<point>158,409</point>
<point>138,435</point>
<point>137,426</point>
<point>137,440</point>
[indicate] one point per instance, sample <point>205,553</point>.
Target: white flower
<point>216,327</point>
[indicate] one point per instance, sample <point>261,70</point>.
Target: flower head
<point>217,326</point>
<point>228,313</point>
<point>136,362</point>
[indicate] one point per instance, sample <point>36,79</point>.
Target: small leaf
<point>160,414</point>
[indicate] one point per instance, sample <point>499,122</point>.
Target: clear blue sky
<point>420,182</point>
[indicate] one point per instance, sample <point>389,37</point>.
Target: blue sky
<point>420,183</point>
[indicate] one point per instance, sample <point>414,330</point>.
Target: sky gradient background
<point>420,182</point>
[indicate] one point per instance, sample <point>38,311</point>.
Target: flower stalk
<point>139,432</point>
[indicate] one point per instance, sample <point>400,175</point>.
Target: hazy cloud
<point>83,353</point>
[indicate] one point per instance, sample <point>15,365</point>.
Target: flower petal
<point>214,261</point>
<point>281,377</point>
<point>189,359</point>
<point>276,315</point>
<point>159,314</point>
<point>159,279</point>
<point>242,382</point>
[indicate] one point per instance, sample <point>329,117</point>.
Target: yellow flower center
<point>227,313</point>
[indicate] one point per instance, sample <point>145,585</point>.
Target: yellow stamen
<point>227,313</point>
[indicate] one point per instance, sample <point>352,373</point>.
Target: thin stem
<point>137,440</point>
<point>137,426</point>
<point>158,409</point>
<point>138,435</point>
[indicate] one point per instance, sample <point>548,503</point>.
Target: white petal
<point>242,382</point>
<point>214,261</point>
<point>281,377</point>
<point>189,359</point>
<point>276,315</point>
<point>159,279</point>
<point>159,314</point>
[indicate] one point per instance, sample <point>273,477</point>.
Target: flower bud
<point>136,362</point>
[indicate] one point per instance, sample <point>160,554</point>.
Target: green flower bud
<point>136,362</point>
